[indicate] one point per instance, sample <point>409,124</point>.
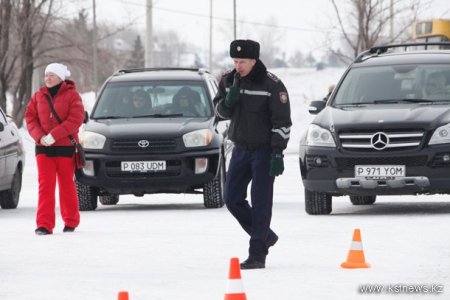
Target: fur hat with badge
<point>59,69</point>
<point>244,49</point>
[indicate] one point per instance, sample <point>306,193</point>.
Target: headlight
<point>92,140</point>
<point>318,136</point>
<point>197,138</point>
<point>441,135</point>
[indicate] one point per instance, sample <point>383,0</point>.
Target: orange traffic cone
<point>123,295</point>
<point>355,258</point>
<point>235,288</point>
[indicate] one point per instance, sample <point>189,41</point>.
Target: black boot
<point>68,229</point>
<point>42,231</point>
<point>251,263</point>
<point>272,241</point>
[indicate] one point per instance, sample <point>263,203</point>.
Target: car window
<point>364,85</point>
<point>134,99</point>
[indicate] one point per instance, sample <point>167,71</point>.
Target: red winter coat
<point>70,109</point>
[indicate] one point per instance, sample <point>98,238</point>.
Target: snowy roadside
<point>170,247</point>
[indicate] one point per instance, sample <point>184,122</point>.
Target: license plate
<point>143,166</point>
<point>380,171</point>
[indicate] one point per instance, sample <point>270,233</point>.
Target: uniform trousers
<point>251,165</point>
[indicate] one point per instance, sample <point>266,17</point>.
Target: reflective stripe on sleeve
<point>284,132</point>
<point>253,93</point>
<point>217,112</point>
<point>257,93</point>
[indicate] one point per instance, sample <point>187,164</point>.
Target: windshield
<point>153,100</point>
<point>426,83</point>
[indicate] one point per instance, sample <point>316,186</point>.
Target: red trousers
<point>51,169</point>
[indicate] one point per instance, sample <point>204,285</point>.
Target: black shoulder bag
<point>80,159</point>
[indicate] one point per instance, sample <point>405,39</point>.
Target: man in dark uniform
<point>257,104</point>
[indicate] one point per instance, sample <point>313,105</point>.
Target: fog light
<point>88,168</point>
<point>201,165</point>
<point>446,158</point>
<point>318,161</point>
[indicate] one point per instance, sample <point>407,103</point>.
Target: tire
<point>317,203</point>
<point>213,191</point>
<point>9,199</point>
<point>363,200</point>
<point>87,197</point>
<point>109,199</point>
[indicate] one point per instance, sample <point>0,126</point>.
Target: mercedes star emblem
<point>379,140</point>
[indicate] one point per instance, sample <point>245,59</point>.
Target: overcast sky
<point>298,24</point>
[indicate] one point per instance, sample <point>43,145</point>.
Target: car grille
<point>173,168</point>
<point>381,140</point>
<point>408,161</point>
<point>132,145</point>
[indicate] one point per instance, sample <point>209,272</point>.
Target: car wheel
<point>317,203</point>
<point>10,198</point>
<point>213,191</point>
<point>363,200</point>
<point>109,199</point>
<point>87,197</point>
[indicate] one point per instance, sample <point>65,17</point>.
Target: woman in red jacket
<point>54,149</point>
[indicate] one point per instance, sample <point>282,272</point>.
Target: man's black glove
<point>276,164</point>
<point>233,94</point>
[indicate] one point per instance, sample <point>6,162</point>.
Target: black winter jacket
<point>261,117</point>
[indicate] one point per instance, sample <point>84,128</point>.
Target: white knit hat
<point>59,69</point>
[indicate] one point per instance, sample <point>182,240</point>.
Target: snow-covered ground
<point>169,247</point>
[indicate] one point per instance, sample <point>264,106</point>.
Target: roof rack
<point>135,70</point>
<point>384,48</point>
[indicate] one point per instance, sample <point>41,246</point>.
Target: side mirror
<point>316,106</point>
<point>86,117</point>
<point>2,127</point>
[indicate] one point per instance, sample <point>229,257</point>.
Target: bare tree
<point>22,23</point>
<point>40,37</point>
<point>297,60</point>
<point>169,49</point>
<point>270,37</point>
<point>32,35</point>
<point>137,59</point>
<point>7,61</point>
<point>31,24</point>
<point>368,22</point>
<point>69,41</point>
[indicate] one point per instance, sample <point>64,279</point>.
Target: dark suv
<point>154,131</point>
<point>384,131</point>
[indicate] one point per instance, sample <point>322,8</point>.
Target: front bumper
<point>179,176</point>
<point>426,171</point>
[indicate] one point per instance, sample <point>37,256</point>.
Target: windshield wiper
<point>352,104</point>
<point>441,101</point>
<point>159,116</point>
<point>407,100</point>
<point>415,100</point>
<point>388,101</point>
<point>109,117</point>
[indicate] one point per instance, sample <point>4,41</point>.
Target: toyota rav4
<point>154,131</point>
